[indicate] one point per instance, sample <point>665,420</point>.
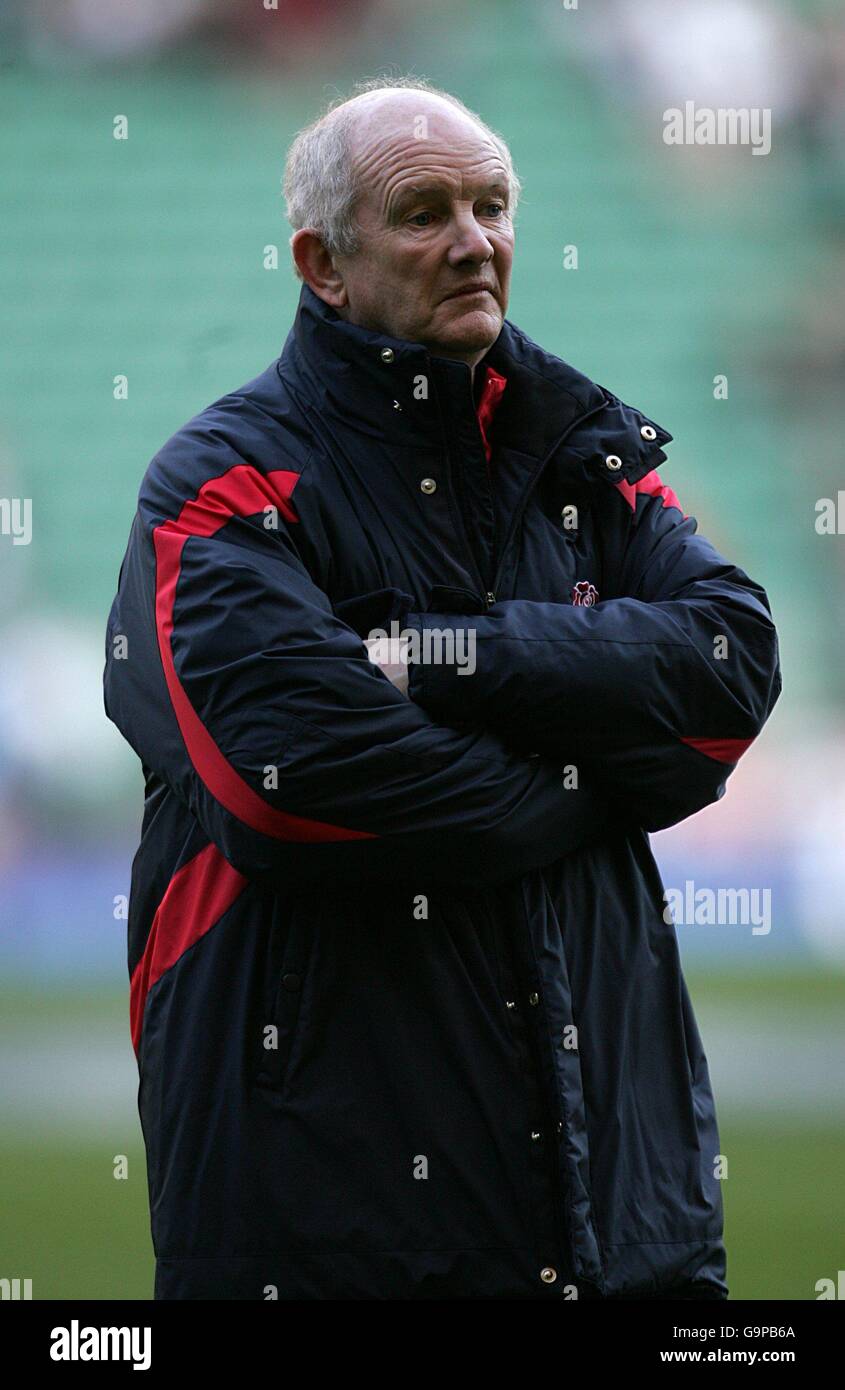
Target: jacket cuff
<point>445,688</point>
<point>377,609</point>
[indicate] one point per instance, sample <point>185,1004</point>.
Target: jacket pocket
<point>283,1027</point>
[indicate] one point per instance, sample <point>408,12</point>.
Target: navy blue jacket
<point>409,1018</point>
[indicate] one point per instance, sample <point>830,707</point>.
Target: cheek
<point>418,271</point>
<point>378,281</point>
<point>504,254</point>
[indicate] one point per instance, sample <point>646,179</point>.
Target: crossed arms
<point>302,761</point>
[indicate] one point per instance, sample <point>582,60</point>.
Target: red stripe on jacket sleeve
<point>196,898</point>
<point>722,750</point>
<point>652,487</point>
<point>242,491</point>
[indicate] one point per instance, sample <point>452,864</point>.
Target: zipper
<point>458,512</point>
<point>490,596</point>
<point>487,596</point>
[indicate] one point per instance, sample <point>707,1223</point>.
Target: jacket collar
<point>398,392</point>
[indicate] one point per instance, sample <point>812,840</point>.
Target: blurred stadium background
<point>147,257</point>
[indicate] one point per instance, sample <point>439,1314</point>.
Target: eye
<point>494,209</point>
<point>414,220</point>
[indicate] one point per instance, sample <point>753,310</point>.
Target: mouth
<point>469,290</point>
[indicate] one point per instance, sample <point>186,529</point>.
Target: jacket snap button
<point>387,355</point>
<point>428,485</point>
<point>648,432</point>
<point>613,461</point>
<point>548,1275</point>
<point>291,982</point>
<point>510,1003</point>
<point>536,1136</point>
<point>533,998</point>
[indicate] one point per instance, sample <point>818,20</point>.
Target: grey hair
<point>321,186</point>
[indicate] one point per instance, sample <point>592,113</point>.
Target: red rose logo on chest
<point>585,594</point>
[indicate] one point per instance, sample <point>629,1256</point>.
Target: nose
<point>469,240</point>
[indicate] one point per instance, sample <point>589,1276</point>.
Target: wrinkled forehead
<point>400,141</point>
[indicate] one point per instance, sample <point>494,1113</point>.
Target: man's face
<point>435,230</point>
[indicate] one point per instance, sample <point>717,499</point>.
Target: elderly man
<point>406,999</point>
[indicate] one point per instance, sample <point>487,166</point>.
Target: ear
<point>317,268</point>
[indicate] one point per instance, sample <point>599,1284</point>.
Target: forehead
<point>403,145</point>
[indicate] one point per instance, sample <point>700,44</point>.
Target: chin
<point>476,332</point>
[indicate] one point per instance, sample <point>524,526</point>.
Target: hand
<point>391,656</point>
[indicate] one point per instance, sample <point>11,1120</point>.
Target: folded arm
<point>659,691</point>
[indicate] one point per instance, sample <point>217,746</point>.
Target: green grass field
<point>70,1226</point>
